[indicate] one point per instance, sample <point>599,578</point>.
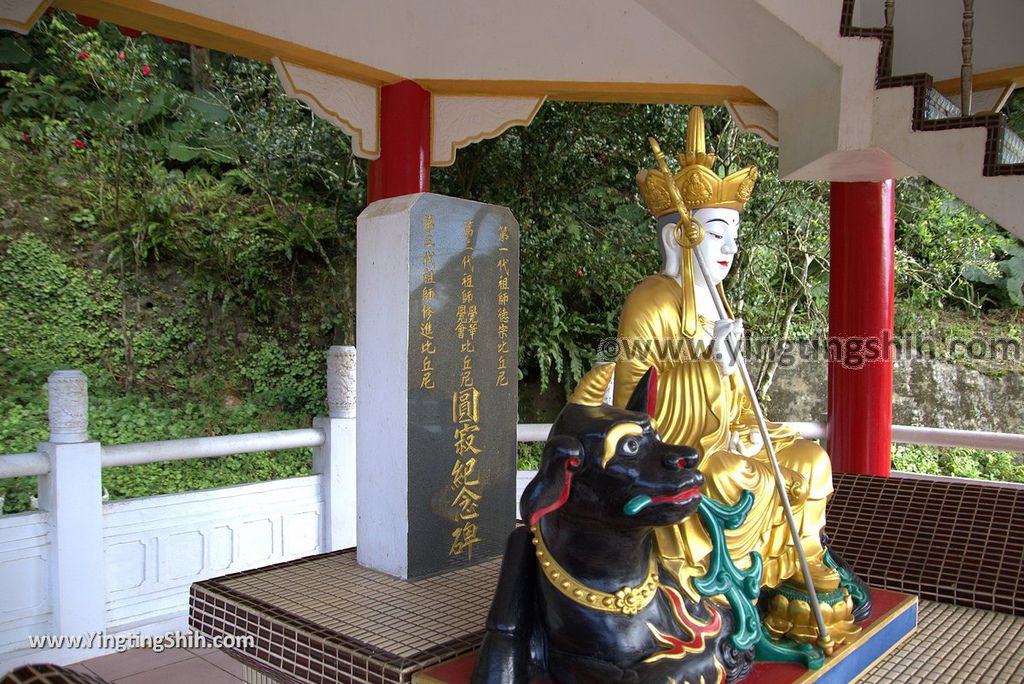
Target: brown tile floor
<point>173,666</point>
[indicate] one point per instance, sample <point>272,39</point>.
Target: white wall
<point>24,578</point>
<point>154,549</point>
<point>158,546</point>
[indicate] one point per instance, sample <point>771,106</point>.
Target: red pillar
<point>860,326</point>
<point>404,163</point>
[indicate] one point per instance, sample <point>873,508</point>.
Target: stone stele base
<point>327,619</point>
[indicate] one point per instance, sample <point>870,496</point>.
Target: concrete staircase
<point>977,157</point>
<point>838,113</point>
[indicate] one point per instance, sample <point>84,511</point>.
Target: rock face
<point>927,392</point>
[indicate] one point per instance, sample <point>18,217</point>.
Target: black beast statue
<point>581,597</point>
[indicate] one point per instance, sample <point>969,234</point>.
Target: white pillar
<point>341,382</point>
<point>72,493</point>
<point>69,406</point>
<point>335,461</point>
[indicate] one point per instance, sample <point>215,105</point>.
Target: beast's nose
<point>684,458</point>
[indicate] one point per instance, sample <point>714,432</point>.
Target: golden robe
<point>698,407</point>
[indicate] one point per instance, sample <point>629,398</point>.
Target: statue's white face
<point>720,243</point>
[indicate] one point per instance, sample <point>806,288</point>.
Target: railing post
<point>890,14</point>
<point>335,461</point>
<point>71,493</point>
<point>967,52</point>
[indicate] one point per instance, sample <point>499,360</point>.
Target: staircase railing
<point>967,50</point>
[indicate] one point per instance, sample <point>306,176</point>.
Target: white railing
<point>210,447</point>
<point>23,465</point>
<point>79,565</point>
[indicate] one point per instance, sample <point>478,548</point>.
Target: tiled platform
<point>956,645</point>
<point>173,666</point>
<point>327,619</point>
<point>943,539</point>
<point>933,655</point>
<point>324,619</point>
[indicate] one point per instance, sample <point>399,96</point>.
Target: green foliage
<point>52,312</point>
<point>1004,276</point>
<point>146,252</point>
<point>949,254</point>
<point>969,463</point>
<point>292,378</point>
<point>529,455</point>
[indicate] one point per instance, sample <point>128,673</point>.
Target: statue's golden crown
<point>698,184</point>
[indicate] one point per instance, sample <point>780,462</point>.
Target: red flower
<point>581,273</point>
<point>604,157</point>
<point>25,138</point>
<point>79,144</point>
<point>83,55</point>
<point>120,55</point>
<point>146,70</point>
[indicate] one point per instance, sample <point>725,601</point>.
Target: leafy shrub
<point>969,463</point>
<point>529,455</point>
<point>294,379</point>
<point>52,313</point>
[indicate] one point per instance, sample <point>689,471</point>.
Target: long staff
<point>689,237</point>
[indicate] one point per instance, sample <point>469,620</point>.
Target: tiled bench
<point>942,539</point>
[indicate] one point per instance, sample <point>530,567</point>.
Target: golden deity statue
<point>669,321</point>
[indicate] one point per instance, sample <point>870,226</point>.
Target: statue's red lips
<point>677,497</point>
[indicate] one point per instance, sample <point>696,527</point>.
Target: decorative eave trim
<point>457,121</point>
<point>756,118</point>
<point>351,106</point>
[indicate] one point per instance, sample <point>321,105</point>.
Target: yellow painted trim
<point>898,610</point>
<point>486,135</point>
<point>987,80</point>
<point>596,91</point>
<point>26,26</point>
<point>153,17</point>
<point>347,125</point>
<point>731,106</point>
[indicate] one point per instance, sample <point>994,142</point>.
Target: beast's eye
<point>630,446</point>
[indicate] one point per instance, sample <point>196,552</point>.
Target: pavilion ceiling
<point>610,50</point>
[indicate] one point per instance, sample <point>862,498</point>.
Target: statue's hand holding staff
<point>726,343</point>
<point>747,450</point>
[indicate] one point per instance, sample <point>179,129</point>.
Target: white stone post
<point>71,493</point>
<point>335,461</point>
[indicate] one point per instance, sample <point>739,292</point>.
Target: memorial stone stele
<point>437,333</point>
